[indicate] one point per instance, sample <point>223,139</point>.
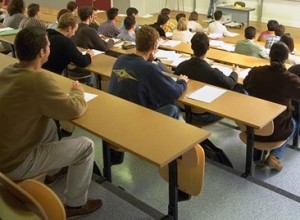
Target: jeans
<point>211,7</point>
<point>169,110</point>
<point>205,117</point>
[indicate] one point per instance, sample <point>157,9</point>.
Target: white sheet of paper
<point>169,34</point>
<point>244,73</point>
<point>233,34</point>
<point>122,15</point>
<point>179,60</point>
<point>166,54</point>
<point>6,29</point>
<point>147,16</point>
<point>226,70</point>
<point>89,96</point>
<point>171,43</point>
<point>96,52</point>
<point>207,94</point>
<point>228,47</point>
<point>216,43</point>
<point>215,36</point>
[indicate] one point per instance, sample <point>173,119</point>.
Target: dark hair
<point>288,40</point>
<point>295,69</point>
<point>33,9</point>
<point>180,15</point>
<point>146,38</point>
<point>129,22</point>
<point>279,53</point>
<point>193,16</point>
<point>16,6</point>
<point>72,6</point>
<point>279,30</point>
<point>165,11</point>
<point>85,12</point>
<point>250,32</point>
<point>130,11</point>
<point>200,44</point>
<point>112,13</point>
<point>272,24</point>
<point>162,19</point>
<point>29,41</point>
<point>218,15</point>
<point>61,12</point>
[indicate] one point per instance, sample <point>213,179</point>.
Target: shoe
<point>89,207</point>
<point>65,133</point>
<point>116,157</point>
<point>274,162</point>
<point>209,16</point>
<point>51,179</point>
<point>183,196</point>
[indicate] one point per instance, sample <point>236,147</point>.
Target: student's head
<point>72,6</point>
<point>180,15</point>
<point>37,44</point>
<point>289,41</point>
<point>271,25</point>
<point>182,24</point>
<point>33,9</point>
<point>129,22</point>
<point>85,13</point>
<point>279,53</point>
<point>61,12</point>
<point>165,11</point>
<point>146,39</point>
<point>250,32</point>
<point>68,22</point>
<point>218,15</point>
<point>112,13</point>
<point>279,30</point>
<point>16,6</point>
<point>132,12</point>
<point>193,16</point>
<point>200,44</point>
<point>162,19</point>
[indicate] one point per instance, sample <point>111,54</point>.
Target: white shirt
<point>293,59</point>
<point>183,36</point>
<point>218,28</point>
<point>195,26</point>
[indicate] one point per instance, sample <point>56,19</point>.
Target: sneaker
<point>274,162</point>
<point>51,179</point>
<point>89,207</point>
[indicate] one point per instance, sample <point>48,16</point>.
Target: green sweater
<point>28,100</point>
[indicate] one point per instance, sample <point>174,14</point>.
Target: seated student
<point>182,33</point>
<point>289,41</point>
<point>131,12</point>
<point>73,7</point>
<point>279,31</point>
<point>198,69</point>
<point>169,26</point>
<point>108,28</point>
<point>128,34</point>
<point>59,14</point>
<point>34,148</point>
<point>276,84</point>
<point>94,23</point>
<point>179,16</point>
<point>136,79</point>
<point>32,20</point>
<point>248,47</point>
<point>158,25</point>
<point>63,49</point>
<point>15,14</point>
<point>270,32</point>
<point>193,24</point>
<point>86,36</point>
<point>2,11</point>
<point>217,27</point>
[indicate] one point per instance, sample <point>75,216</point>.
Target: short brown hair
<point>68,20</point>
<point>146,38</point>
<point>193,16</point>
<point>182,24</point>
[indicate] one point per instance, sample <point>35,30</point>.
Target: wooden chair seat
<point>190,167</point>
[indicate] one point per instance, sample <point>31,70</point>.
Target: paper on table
<point>169,34</point>
<point>216,43</point>
<point>226,70</point>
<point>228,47</point>
<point>89,96</point>
<point>166,54</point>
<point>179,60</point>
<point>244,73</point>
<point>171,43</point>
<point>207,94</point>
<point>96,52</point>
<point>231,34</point>
<point>215,36</point>
<point>6,29</point>
<point>147,16</point>
<point>121,15</point>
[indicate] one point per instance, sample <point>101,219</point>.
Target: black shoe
<point>182,196</point>
<point>65,133</point>
<point>116,157</point>
<point>209,16</point>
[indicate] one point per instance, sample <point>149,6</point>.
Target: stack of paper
<point>207,94</point>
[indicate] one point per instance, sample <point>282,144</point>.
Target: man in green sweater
<point>30,99</point>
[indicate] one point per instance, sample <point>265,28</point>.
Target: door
<point>84,3</point>
<point>102,4</point>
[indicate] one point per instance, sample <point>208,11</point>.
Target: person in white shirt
<point>193,24</point>
<point>181,32</point>
<point>217,26</point>
<point>289,41</point>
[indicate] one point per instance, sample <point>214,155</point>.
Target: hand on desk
<point>90,52</point>
<point>183,77</point>
<point>77,85</point>
<point>235,68</point>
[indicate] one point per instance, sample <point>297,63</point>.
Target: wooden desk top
<point>101,64</point>
<point>250,110</point>
<point>146,133</point>
<point>9,38</point>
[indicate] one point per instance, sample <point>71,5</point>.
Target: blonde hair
<point>67,20</point>
<point>182,24</point>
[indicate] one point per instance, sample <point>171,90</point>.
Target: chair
<point>190,169</point>
<point>32,194</point>
<point>265,131</point>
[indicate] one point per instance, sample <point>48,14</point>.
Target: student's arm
<point>76,56</point>
<point>98,43</point>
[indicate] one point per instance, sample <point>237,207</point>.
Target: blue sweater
<point>142,82</point>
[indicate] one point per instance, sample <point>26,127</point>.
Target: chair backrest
<point>27,200</point>
<point>49,201</point>
<point>265,131</point>
<point>190,167</point>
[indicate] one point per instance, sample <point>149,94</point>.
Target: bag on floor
<point>214,153</point>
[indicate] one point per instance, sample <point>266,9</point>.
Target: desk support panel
<point>106,161</point>
<point>249,153</point>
